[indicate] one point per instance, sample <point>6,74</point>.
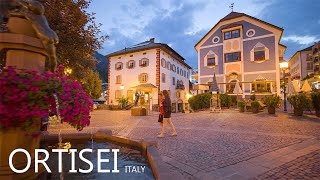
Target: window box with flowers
<point>28,97</point>
<point>144,62</point>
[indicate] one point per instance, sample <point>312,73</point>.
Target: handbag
<point>160,119</point>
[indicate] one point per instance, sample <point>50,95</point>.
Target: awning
<point>146,86</point>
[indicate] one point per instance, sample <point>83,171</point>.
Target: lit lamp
<point>122,87</point>
<point>284,66</point>
<point>67,71</point>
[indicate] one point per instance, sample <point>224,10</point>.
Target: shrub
<point>241,104</point>
<point>234,100</point>
<point>273,101</point>
<point>300,101</point>
<point>200,101</point>
<point>123,102</point>
<point>255,104</point>
<point>253,97</point>
<point>316,100</point>
<point>225,100</point>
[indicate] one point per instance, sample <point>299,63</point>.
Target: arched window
<point>163,63</point>
<point>168,65</point>
<point>174,68</point>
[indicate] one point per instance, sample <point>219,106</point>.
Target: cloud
<point>302,40</point>
<point>204,18</point>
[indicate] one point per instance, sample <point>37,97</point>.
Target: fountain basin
<point>144,153</point>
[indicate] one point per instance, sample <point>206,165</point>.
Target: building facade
<point>301,64</point>
<point>316,58</point>
<point>149,68</point>
<point>241,49</point>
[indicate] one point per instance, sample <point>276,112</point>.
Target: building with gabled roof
<point>241,48</point>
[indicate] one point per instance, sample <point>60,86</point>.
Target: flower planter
<point>318,113</point>
<point>255,110</point>
<point>297,112</point>
<point>241,109</point>
<point>271,110</point>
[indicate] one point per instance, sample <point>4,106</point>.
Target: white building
<point>149,68</point>
<point>301,64</point>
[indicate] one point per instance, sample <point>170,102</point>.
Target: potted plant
<point>255,106</point>
<point>27,97</point>
<point>300,102</point>
<point>272,103</point>
<point>241,105</point>
<point>316,102</point>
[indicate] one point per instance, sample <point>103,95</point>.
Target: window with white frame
<point>211,59</point>
<point>259,53</point>
<point>232,34</point>
<point>118,79</point>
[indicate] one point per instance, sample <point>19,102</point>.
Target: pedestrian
<point>167,116</point>
<point>161,99</point>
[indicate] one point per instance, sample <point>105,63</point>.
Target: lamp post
<point>284,66</point>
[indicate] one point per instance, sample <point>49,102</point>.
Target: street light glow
<point>284,65</point>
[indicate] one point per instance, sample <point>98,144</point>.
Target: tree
<point>91,83</point>
<point>79,38</point>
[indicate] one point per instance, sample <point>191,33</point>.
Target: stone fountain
<point>27,42</point>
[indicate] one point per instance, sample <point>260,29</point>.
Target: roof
<point>234,15</point>
<point>305,49</point>
<point>150,45</point>
<point>146,85</point>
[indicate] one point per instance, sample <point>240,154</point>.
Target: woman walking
<point>166,103</point>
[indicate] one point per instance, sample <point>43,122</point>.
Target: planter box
<point>138,111</point>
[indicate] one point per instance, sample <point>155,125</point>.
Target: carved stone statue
<point>33,11</point>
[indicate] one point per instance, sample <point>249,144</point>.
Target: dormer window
<point>119,66</point>
<point>232,34</point>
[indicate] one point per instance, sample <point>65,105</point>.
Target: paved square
<point>227,145</point>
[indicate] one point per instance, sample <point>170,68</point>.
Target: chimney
<point>151,40</point>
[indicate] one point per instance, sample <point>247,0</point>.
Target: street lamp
<point>284,66</point>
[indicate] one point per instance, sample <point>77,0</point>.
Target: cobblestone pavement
<point>304,167</point>
<point>227,145</point>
